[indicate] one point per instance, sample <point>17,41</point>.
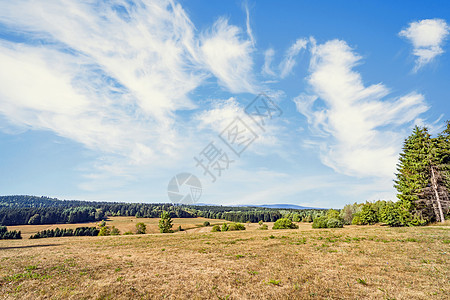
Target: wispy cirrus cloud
<point>113,75</point>
<point>289,60</point>
<point>427,37</point>
<point>358,126</point>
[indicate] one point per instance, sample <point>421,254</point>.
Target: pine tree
<point>413,176</point>
<point>423,180</point>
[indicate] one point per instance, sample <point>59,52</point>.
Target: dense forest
<point>22,210</point>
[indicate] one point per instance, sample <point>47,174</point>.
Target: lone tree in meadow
<point>165,223</point>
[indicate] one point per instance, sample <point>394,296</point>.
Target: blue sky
<point>110,100</point>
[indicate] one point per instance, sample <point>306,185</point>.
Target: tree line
<point>23,210</point>
<point>79,231</point>
<point>9,235</point>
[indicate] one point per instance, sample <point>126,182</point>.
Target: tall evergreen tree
<point>413,176</point>
<point>423,177</point>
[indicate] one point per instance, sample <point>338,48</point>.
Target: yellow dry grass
<point>124,224</point>
<point>356,262</point>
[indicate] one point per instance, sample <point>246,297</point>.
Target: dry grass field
<point>356,262</point>
<point>124,224</point>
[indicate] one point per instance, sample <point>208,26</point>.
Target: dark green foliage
<point>79,231</point>
<point>206,224</point>
<point>335,223</point>
<point>421,157</point>
<point>228,227</point>
<point>22,210</point>
<point>320,222</point>
<point>284,223</point>
<point>332,219</point>
<point>368,214</point>
<point>236,226</point>
<point>141,228</point>
<point>9,235</point>
<point>224,227</point>
<point>165,223</point>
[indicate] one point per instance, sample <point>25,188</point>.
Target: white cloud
<point>268,57</point>
<point>228,57</point>
<point>289,60</point>
<point>427,37</point>
<point>361,126</point>
<point>113,76</point>
<point>223,112</point>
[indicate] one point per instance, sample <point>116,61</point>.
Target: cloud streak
<point>357,125</point>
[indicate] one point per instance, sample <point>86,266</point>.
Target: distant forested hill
<point>22,210</point>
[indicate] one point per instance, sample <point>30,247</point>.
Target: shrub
<point>368,214</point>
<point>224,227</point>
<point>104,231</point>
<point>141,228</point>
<point>284,223</point>
<point>334,223</point>
<point>215,228</point>
<point>263,227</point>
<point>320,222</point>
<point>128,233</point>
<point>236,226</point>
<point>356,220</point>
<point>260,222</point>
<point>206,224</point>
<point>115,231</point>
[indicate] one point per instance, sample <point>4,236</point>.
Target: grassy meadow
<point>355,262</point>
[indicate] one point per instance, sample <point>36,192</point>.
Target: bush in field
<point>349,211</point>
<point>141,228</point>
<point>263,227</point>
<point>105,230</point>
<point>368,214</point>
<point>260,222</point>
<point>356,220</point>
<point>115,231</point>
<point>224,227</point>
<point>236,226</point>
<point>332,219</point>
<point>320,222</point>
<point>206,224</point>
<point>284,223</point>
<point>334,223</point>
<point>165,223</point>
<point>215,228</point>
